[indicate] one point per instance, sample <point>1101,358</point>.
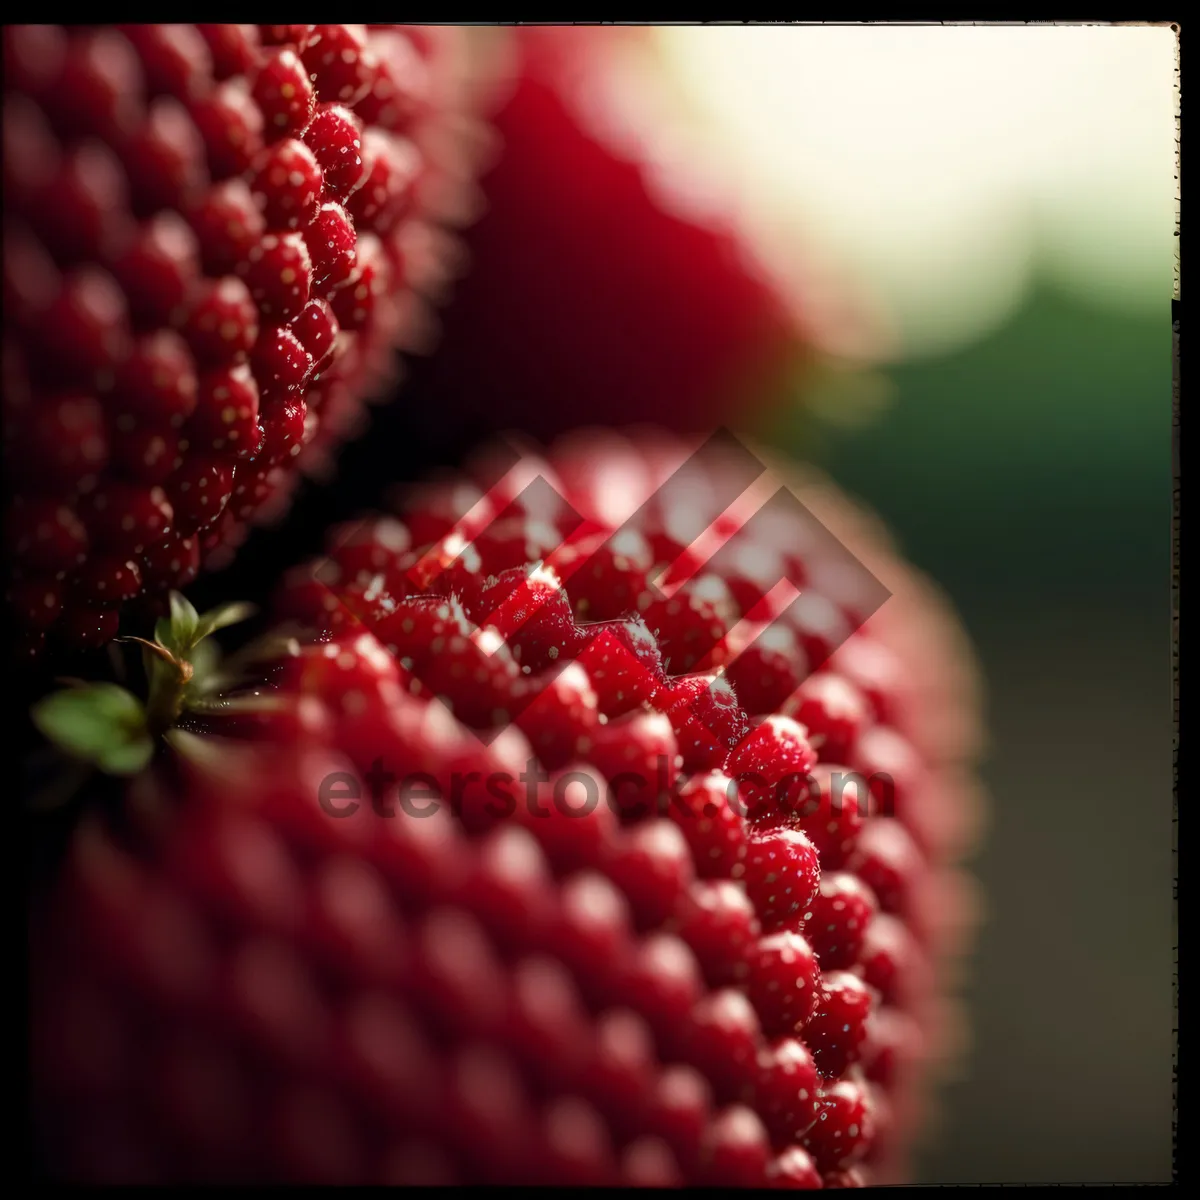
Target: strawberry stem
<point>168,678</point>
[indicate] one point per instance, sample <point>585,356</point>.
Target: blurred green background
<point>1029,474</point>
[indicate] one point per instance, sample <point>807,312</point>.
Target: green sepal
<point>101,724</point>
<point>107,727</point>
<point>185,628</point>
<point>255,702</point>
<point>205,659</point>
<point>221,618</point>
<point>178,632</point>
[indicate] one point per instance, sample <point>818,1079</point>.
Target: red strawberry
<point>844,1127</point>
<point>202,273</point>
<point>841,911</point>
<point>382,914</point>
<point>783,977</point>
<point>634,242</point>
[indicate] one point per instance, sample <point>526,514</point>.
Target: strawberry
<point>377,912</point>
<point>209,261</point>
<point>620,238</point>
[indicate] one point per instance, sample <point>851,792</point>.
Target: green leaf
<point>206,657</point>
<point>101,724</point>
<point>162,676</point>
<point>222,758</point>
<point>220,618</point>
<point>162,632</point>
<point>185,621</point>
<point>127,758</point>
<point>254,702</point>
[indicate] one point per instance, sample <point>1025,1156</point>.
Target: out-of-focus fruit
<point>215,238</point>
<point>481,886</point>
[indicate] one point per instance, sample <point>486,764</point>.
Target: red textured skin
<point>158,199</point>
<point>238,987</point>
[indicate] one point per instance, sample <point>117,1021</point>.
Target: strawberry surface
<point>215,236</point>
<point>617,239</point>
<point>493,876</point>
